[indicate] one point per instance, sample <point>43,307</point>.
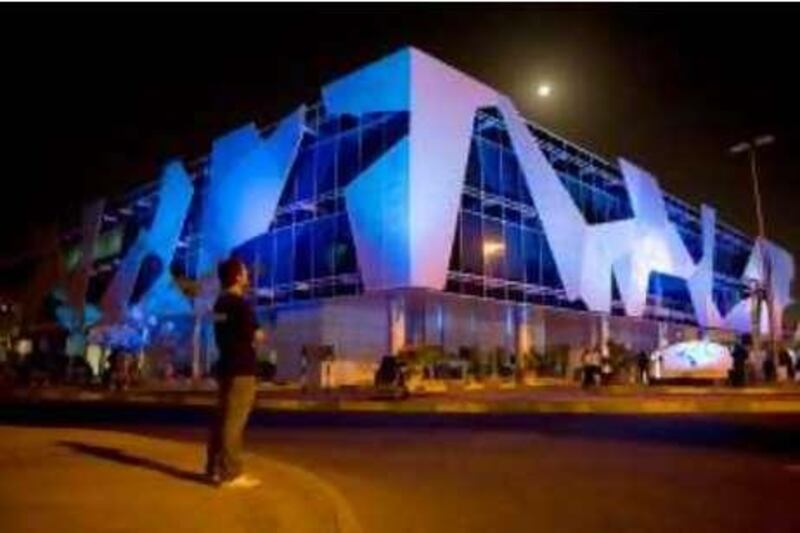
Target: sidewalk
<point>544,398</point>
<point>71,480</point>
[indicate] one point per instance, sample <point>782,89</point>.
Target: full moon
<point>544,90</point>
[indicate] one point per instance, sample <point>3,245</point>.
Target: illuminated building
<point>413,205</point>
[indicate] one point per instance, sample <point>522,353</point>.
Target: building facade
<point>414,205</point>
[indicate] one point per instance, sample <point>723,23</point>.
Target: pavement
<point>501,398</point>
<point>81,480</point>
<point>547,473</point>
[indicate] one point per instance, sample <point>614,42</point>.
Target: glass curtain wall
<point>309,251</point>
<point>501,251</point>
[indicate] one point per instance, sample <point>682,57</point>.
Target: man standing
<point>643,364</point>
<point>740,355</point>
<point>236,331</point>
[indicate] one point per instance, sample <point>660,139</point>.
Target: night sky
<point>94,99</point>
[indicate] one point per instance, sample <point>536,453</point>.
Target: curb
<point>346,521</point>
<point>696,402</point>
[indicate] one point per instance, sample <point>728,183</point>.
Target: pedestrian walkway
<point>71,480</point>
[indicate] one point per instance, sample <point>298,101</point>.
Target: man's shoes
<point>242,481</point>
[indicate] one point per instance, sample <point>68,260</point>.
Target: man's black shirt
<point>234,327</point>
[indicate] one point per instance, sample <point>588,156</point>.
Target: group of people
<point>595,367</point>
<point>787,361</point>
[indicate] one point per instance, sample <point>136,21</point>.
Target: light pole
<point>765,289</point>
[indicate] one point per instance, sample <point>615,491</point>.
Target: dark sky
<point>95,98</point>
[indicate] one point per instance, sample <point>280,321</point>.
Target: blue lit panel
<point>160,239</point>
<point>378,207</point>
<point>116,297</point>
<point>174,198</point>
<point>247,176</point>
<point>378,87</point>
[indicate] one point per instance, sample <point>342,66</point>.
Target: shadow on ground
<point>118,456</point>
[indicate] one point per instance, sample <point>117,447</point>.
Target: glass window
<point>471,203</point>
<point>532,248</point>
<point>494,249</point>
<point>329,127</point>
<point>395,128</point>
<point>473,177</point>
<point>325,167</point>
<point>550,277</point>
<point>324,247</point>
<point>513,215</point>
<point>514,258</point>
<point>345,252</point>
<point>284,253</point>
<point>347,122</point>
<point>455,254</point>
<point>264,261</point>
<point>301,164</point>
<point>347,160</point>
<point>471,244</point>
<point>510,173</point>
<point>303,252</point>
<point>371,145</point>
<point>493,209</point>
<point>305,177</point>
<point>490,167</point>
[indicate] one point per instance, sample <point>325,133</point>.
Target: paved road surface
<point>537,473</point>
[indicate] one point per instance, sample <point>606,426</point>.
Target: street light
<point>766,283</point>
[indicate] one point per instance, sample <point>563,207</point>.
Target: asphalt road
<point>559,473</point>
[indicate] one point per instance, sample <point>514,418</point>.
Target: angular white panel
<point>583,253</point>
<point>656,245</point>
<point>443,106</point>
<point>603,245</point>
<point>782,276</point>
<point>740,317</point>
<point>701,283</point>
<point>782,265</point>
<point>563,223</point>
